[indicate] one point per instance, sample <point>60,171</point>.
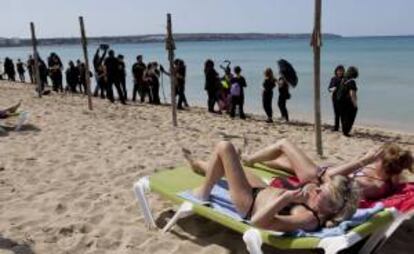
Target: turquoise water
<point>386,83</point>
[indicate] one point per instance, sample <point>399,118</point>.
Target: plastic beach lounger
<point>170,183</point>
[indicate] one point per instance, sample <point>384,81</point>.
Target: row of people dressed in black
<point>228,92</point>
<point>111,71</point>
<point>9,69</point>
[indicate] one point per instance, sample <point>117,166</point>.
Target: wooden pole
<point>170,46</point>
<point>85,54</point>
<point>36,60</point>
<point>316,44</point>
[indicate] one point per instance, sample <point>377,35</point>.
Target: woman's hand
<point>372,155</point>
<point>296,196</point>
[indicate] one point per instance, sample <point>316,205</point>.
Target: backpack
<point>235,89</point>
<point>342,91</point>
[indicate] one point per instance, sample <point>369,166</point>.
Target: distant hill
<point>16,42</point>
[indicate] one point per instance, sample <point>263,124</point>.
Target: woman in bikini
<point>309,207</point>
<point>376,173</point>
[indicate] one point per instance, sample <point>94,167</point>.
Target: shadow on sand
<point>14,247</point>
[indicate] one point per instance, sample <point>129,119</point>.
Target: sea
<point>385,85</point>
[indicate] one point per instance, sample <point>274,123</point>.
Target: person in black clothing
<point>100,73</point>
<point>82,77</point>
<point>20,70</point>
<point>55,72</point>
<point>72,77</point>
<point>152,79</point>
<point>121,76</point>
<point>333,86</point>
<point>80,70</point>
<point>284,95</point>
<point>111,69</point>
<point>238,83</point>
<point>211,85</point>
<point>347,98</point>
<point>30,68</point>
<point>9,69</point>
<point>180,71</point>
<point>267,96</point>
<point>43,72</point>
<point>138,70</point>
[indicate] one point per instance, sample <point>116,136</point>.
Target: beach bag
<point>235,89</point>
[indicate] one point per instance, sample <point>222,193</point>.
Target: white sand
<point>66,179</point>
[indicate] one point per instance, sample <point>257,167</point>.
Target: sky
<point>59,18</point>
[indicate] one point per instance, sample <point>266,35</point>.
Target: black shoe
<point>269,121</point>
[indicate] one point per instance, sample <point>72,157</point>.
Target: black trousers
<point>57,80</point>
<point>155,94</point>
<point>122,83</point>
<point>31,76</point>
<point>337,114</point>
<point>237,101</point>
<point>281,102</point>
<point>212,99</point>
<point>146,92</point>
<point>110,92</point>
<point>348,116</point>
<point>180,92</point>
<point>100,87</point>
<point>267,104</point>
<point>22,77</point>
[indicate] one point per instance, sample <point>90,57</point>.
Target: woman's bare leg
<point>303,167</point>
<point>281,163</point>
<point>225,162</point>
<point>201,167</point>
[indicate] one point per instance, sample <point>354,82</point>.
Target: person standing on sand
<point>121,76</point>
<point>43,71</point>
<point>347,97</point>
<point>180,71</point>
<point>9,69</point>
<point>55,72</point>
<point>30,68</point>
<point>152,79</point>
<point>72,76</point>
<point>238,83</point>
<point>20,70</point>
<point>284,95</point>
<point>99,72</point>
<point>333,88</point>
<point>267,96</point>
<point>111,69</point>
<point>211,85</point>
<point>138,70</point>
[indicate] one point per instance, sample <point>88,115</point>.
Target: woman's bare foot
<point>193,164</point>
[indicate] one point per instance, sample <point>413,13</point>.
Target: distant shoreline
<point>133,39</point>
<point>180,37</point>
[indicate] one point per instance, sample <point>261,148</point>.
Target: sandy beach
<point>66,178</point>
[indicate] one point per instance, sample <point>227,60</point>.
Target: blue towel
<point>360,216</point>
<point>220,201</point>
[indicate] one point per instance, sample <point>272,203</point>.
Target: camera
<point>104,46</point>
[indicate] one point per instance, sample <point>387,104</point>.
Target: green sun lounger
<point>169,183</point>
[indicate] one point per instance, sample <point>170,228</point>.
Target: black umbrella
<point>288,72</point>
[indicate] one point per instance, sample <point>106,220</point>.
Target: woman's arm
<point>350,167</point>
<point>267,217</point>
